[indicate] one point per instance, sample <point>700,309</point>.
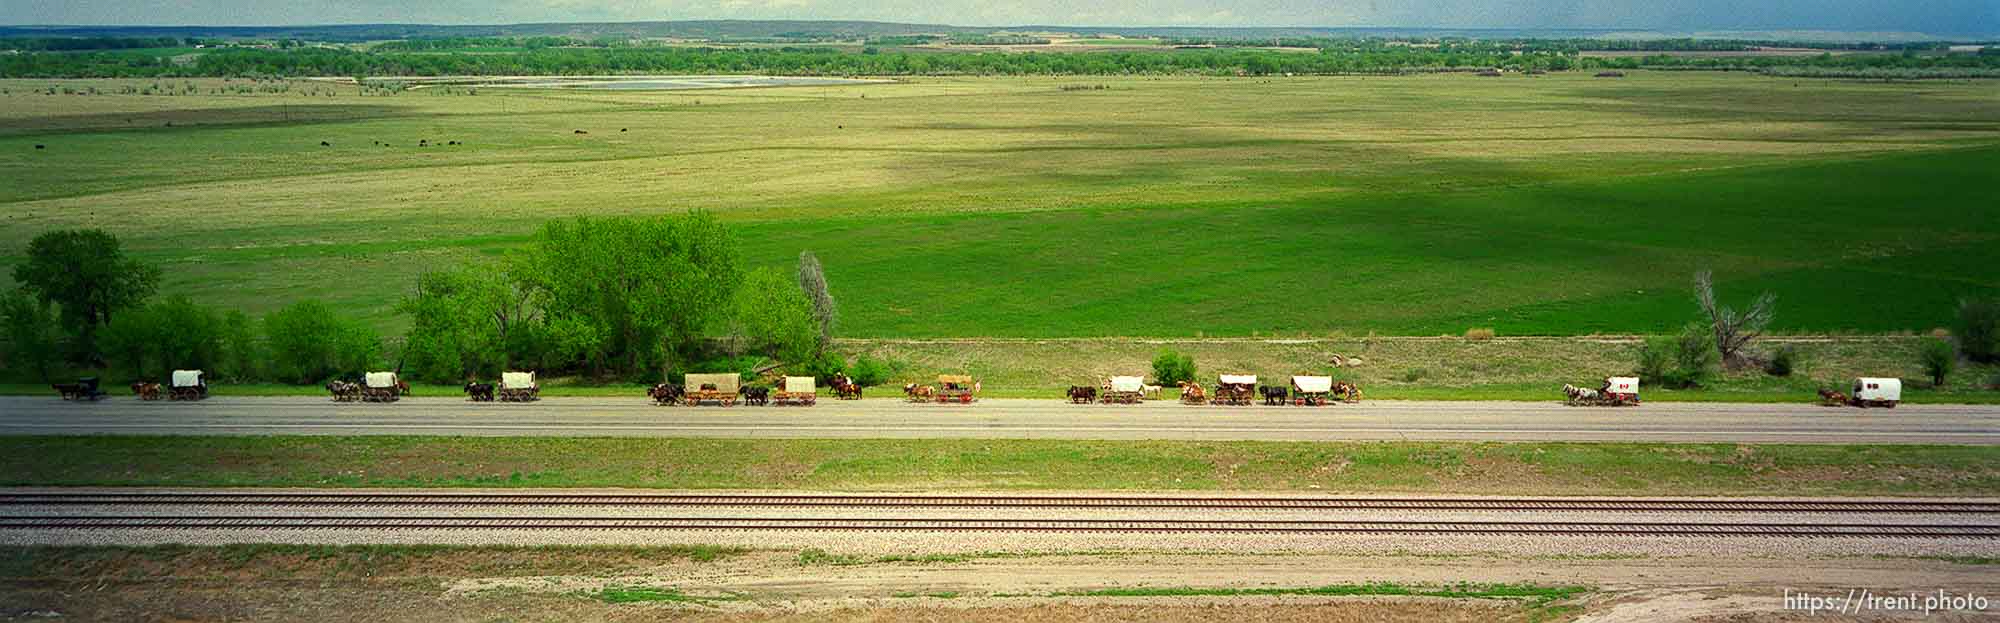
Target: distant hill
<point>808,30</point>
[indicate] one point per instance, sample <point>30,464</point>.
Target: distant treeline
<point>1557,45</point>
<point>807,61</point>
<point>70,44</point>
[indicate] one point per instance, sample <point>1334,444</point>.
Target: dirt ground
<point>378,585</point>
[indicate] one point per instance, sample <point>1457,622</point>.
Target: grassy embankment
<point>804,464</point>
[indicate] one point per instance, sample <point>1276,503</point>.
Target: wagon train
<point>188,385</point>
<point>83,389</point>
<point>1123,390</point>
<point>801,391</point>
<point>1235,390</point>
<point>519,387</point>
<point>1617,391</point>
<point>721,389</point>
<point>381,387</point>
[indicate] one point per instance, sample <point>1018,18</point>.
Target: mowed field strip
<point>1008,207</point>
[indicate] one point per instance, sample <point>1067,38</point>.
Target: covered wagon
<point>187,385</point>
<point>1125,390</point>
<point>1877,392</point>
<point>1620,391</point>
<point>721,389</point>
<point>1235,389</point>
<point>380,387</point>
<point>519,387</point>
<point>957,388</point>
<point>1311,390</point>
<point>797,390</point>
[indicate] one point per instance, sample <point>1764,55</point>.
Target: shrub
<point>1678,361</point>
<point>1172,368</point>
<point>1938,360</point>
<point>777,316</point>
<point>1478,334</point>
<point>1413,375</point>
<point>172,335</point>
<point>1783,361</point>
<point>868,371</point>
<point>34,338</point>
<point>241,352</point>
<point>1978,329</point>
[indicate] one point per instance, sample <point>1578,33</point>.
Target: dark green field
<point>1008,207</point>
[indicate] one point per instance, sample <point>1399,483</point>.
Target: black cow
<point>41,147</point>
<point>756,396</point>
<point>1272,395</point>
<point>325,144</point>
<point>480,392</point>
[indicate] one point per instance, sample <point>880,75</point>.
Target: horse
<point>1082,394</point>
<point>1192,393</point>
<point>845,388</point>
<point>1273,395</point>
<point>756,396</point>
<point>919,393</point>
<point>146,391</point>
<point>1151,392</point>
<point>402,388</point>
<point>1348,392</point>
<point>666,393</point>
<point>480,392</point>
<point>1832,398</point>
<point>1581,395</point>
<point>343,391</point>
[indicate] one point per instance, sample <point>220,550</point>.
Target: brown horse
<point>919,393</point>
<point>1348,392</point>
<point>146,391</point>
<point>1192,394</point>
<point>845,388</point>
<point>1832,398</point>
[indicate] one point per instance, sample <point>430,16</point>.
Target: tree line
<point>813,61</point>
<point>630,299</point>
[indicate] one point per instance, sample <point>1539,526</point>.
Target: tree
<point>1938,360</point>
<point>240,349</point>
<point>87,276</point>
<point>309,344</point>
<point>458,326</point>
<point>32,334</point>
<point>635,292</point>
<point>776,317</point>
<point>812,280</point>
<point>1978,329</point>
<point>1733,330</point>
<point>175,334</point>
<point>1172,368</point>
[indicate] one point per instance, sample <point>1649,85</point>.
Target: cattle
<point>1082,394</point>
<point>581,132</point>
<point>756,396</point>
<point>325,144</point>
<point>479,392</point>
<point>146,391</point>
<point>1273,395</point>
<point>621,129</point>
<point>666,393</point>
<point>39,146</point>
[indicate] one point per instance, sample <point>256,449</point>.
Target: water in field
<point>651,83</point>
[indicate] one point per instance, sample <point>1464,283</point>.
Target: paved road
<point>1017,419</point>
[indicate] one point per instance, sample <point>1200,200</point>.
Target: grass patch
<point>649,594</point>
<point>1526,592</point>
<point>1000,464</point>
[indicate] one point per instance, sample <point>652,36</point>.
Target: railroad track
<point>979,501</point>
<point>1501,528</point>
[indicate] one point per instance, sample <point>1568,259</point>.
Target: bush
<point>1171,368</point>
<point>777,316</point>
<point>309,344</point>
<point>1978,329</point>
<point>241,352</point>
<point>1478,334</point>
<point>1782,362</point>
<point>869,372</point>
<point>1678,361</point>
<point>176,334</point>
<point>1938,360</point>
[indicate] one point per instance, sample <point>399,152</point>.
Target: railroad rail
<point>991,501</point>
<point>1498,528</point>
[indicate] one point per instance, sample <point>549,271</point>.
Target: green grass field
<point>1007,207</point>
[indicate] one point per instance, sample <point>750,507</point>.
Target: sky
<point>1932,16</point>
